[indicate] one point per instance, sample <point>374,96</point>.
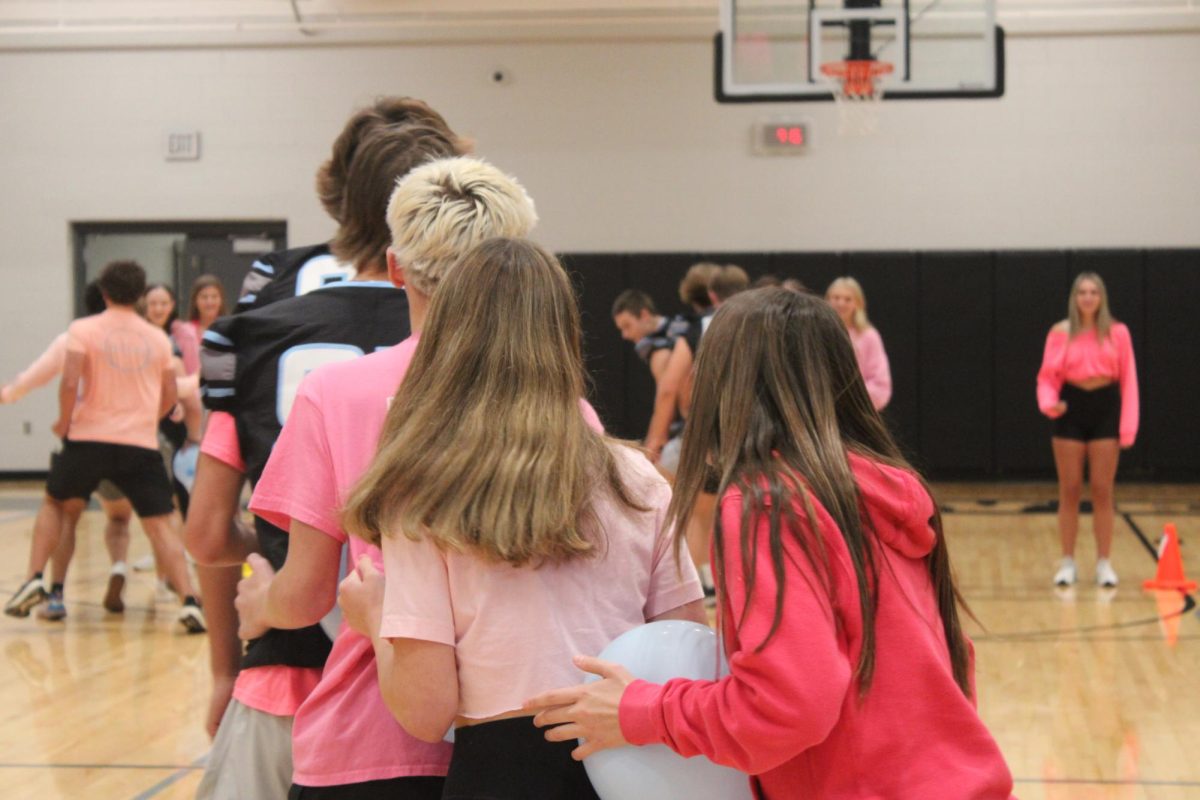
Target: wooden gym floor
<point>1091,694</point>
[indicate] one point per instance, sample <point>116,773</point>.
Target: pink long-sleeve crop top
<point>1083,357</point>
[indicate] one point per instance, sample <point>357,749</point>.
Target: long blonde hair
<point>485,446</point>
<point>1104,318</point>
<point>852,286</point>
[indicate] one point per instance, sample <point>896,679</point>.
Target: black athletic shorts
<point>420,787</point>
<point>136,471</point>
<point>1090,415</point>
<point>510,759</point>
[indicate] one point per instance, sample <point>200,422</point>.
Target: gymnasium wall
<point>620,142</point>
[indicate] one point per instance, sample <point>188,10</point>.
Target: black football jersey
<point>252,365</point>
<point>290,273</point>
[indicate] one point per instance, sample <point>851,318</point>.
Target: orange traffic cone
<point>1170,565</point>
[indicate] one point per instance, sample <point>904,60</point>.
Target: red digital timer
<point>779,137</point>
<point>789,135</point>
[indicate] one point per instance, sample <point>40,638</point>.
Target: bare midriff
<point>1092,384</point>
<point>466,722</point>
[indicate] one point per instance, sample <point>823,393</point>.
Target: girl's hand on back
<point>360,595</point>
<point>590,711</point>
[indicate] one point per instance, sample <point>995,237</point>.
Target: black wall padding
<point>956,355</point>
<point>1170,425</point>
<point>1030,296</point>
<point>891,286</point>
<point>598,278</point>
<point>964,334</point>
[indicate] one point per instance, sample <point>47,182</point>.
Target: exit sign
<point>782,137</point>
<point>183,146</point>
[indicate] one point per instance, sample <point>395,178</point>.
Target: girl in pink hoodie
<point>850,676</point>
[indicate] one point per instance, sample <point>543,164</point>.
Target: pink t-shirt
<point>184,335</point>
<point>277,689</point>
<point>327,444</point>
<point>873,364</point>
<point>220,440</point>
<point>125,358</point>
<point>1078,359</point>
<point>515,631</point>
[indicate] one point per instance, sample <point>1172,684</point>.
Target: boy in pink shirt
<point>109,429</point>
<point>253,363</point>
<point>329,439</point>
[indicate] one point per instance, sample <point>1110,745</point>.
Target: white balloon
<point>658,652</point>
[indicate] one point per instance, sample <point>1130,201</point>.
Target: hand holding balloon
<point>590,711</point>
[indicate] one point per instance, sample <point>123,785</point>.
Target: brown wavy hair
<point>378,146</point>
<point>485,447</point>
<point>779,404</point>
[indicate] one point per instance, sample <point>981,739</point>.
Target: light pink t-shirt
<point>515,630</point>
<point>124,361</point>
<point>873,364</point>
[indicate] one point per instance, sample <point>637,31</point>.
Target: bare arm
<point>300,594</point>
<point>214,532</point>
<point>666,397</point>
<point>68,392</point>
<point>218,587</point>
<point>169,393</point>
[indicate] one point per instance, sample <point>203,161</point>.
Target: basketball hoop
<point>858,90</point>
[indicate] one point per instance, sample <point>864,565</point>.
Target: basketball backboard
<point>774,50</point>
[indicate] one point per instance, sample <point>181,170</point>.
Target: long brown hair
<point>485,446</point>
<point>201,283</point>
<point>779,404</point>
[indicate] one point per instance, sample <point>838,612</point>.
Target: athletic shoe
<point>28,596</point>
<point>144,564</point>
<point>1066,573</point>
<point>1105,575</point>
<point>54,610</point>
<point>112,596</point>
<point>192,618</point>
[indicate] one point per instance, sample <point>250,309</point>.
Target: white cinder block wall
<point>1096,144</point>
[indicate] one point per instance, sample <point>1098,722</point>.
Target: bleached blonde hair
<point>848,284</point>
<point>442,209</point>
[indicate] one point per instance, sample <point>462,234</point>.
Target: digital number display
<point>781,137</point>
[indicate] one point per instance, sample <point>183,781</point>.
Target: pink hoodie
<point>790,713</point>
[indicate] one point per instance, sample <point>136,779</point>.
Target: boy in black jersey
<point>252,364</point>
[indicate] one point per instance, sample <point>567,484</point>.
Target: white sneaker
<point>144,564</point>
<point>1066,573</point>
<point>1105,575</point>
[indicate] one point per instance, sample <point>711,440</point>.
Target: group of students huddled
<point>409,406</point>
<point>128,404</point>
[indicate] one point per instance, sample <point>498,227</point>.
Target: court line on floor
<point>171,779</point>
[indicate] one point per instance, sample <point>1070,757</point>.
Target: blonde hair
<point>848,284</point>
<point>444,208</point>
<point>485,447</point>
<point>1104,318</point>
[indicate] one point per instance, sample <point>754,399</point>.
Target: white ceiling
<point>68,23</point>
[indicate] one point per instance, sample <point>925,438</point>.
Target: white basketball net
<point>858,93</point>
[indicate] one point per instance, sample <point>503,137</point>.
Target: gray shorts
<point>251,757</point>
<point>109,491</point>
